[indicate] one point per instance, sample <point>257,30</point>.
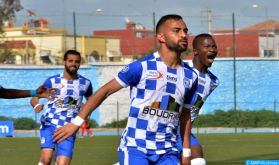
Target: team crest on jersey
<point>201,81</point>
<point>186,82</point>
<point>153,75</point>
<point>125,69</point>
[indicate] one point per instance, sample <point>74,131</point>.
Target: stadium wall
<point>257,86</point>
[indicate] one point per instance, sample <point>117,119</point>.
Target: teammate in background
<point>40,92</point>
<point>160,85</point>
<point>85,127</point>
<point>205,51</point>
<point>71,87</point>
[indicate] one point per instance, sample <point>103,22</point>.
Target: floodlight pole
<point>154,29</point>
<point>75,33</point>
<point>234,74</point>
<point>275,118</point>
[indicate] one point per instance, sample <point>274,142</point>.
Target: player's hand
<point>39,108</point>
<point>44,92</point>
<point>185,160</point>
<point>64,132</point>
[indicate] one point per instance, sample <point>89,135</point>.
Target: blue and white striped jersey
<point>207,82</point>
<point>66,106</point>
<point>157,97</point>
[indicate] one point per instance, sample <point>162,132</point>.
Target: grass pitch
<point>219,149</point>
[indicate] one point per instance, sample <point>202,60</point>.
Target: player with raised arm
<point>160,85</point>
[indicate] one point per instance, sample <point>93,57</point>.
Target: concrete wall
<point>257,86</point>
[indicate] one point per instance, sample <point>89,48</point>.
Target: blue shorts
<point>64,148</point>
<point>135,157</point>
<point>193,141</point>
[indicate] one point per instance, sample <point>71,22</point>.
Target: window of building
<point>268,53</point>
<point>139,35</point>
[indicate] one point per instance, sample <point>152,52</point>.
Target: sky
<point>93,15</point>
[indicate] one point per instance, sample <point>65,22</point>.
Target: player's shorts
<point>64,148</point>
<point>193,141</point>
<point>136,157</point>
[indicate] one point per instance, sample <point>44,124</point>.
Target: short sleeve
<point>130,75</point>
<point>190,97</point>
<point>48,83</point>
<point>89,90</point>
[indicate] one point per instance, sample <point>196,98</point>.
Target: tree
<point>7,57</point>
<point>8,8</point>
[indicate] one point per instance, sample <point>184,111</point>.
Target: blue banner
<point>7,128</point>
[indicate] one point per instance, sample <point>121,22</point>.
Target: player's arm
<point>36,105</point>
<point>92,103</point>
<point>14,93</point>
<point>44,91</point>
<point>17,93</point>
<point>185,131</point>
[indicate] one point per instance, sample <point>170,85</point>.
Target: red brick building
<point>246,45</point>
<point>136,40</point>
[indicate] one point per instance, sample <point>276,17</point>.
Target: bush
<point>93,124</point>
<point>4,118</point>
<point>115,124</point>
<point>25,123</point>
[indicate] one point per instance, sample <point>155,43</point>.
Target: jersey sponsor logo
<point>172,78</point>
<point>201,81</point>
<point>197,104</point>
<point>154,75</point>
<point>70,86</point>
<point>65,106</point>
<point>163,114</point>
<point>58,86</point>
<point>66,103</point>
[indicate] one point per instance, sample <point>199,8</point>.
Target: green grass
<point>219,149</point>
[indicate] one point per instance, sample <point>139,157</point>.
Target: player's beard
<point>176,47</point>
<point>71,72</point>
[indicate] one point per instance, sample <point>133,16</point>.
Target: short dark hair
<point>71,52</point>
<point>198,37</point>
<point>165,18</point>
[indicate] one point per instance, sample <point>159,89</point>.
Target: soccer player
<point>71,87</point>
<point>205,51</point>
<point>160,85</point>
<point>85,127</point>
<point>40,92</point>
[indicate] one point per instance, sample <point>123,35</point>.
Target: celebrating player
<point>205,51</point>
<point>160,84</point>
<point>61,110</point>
